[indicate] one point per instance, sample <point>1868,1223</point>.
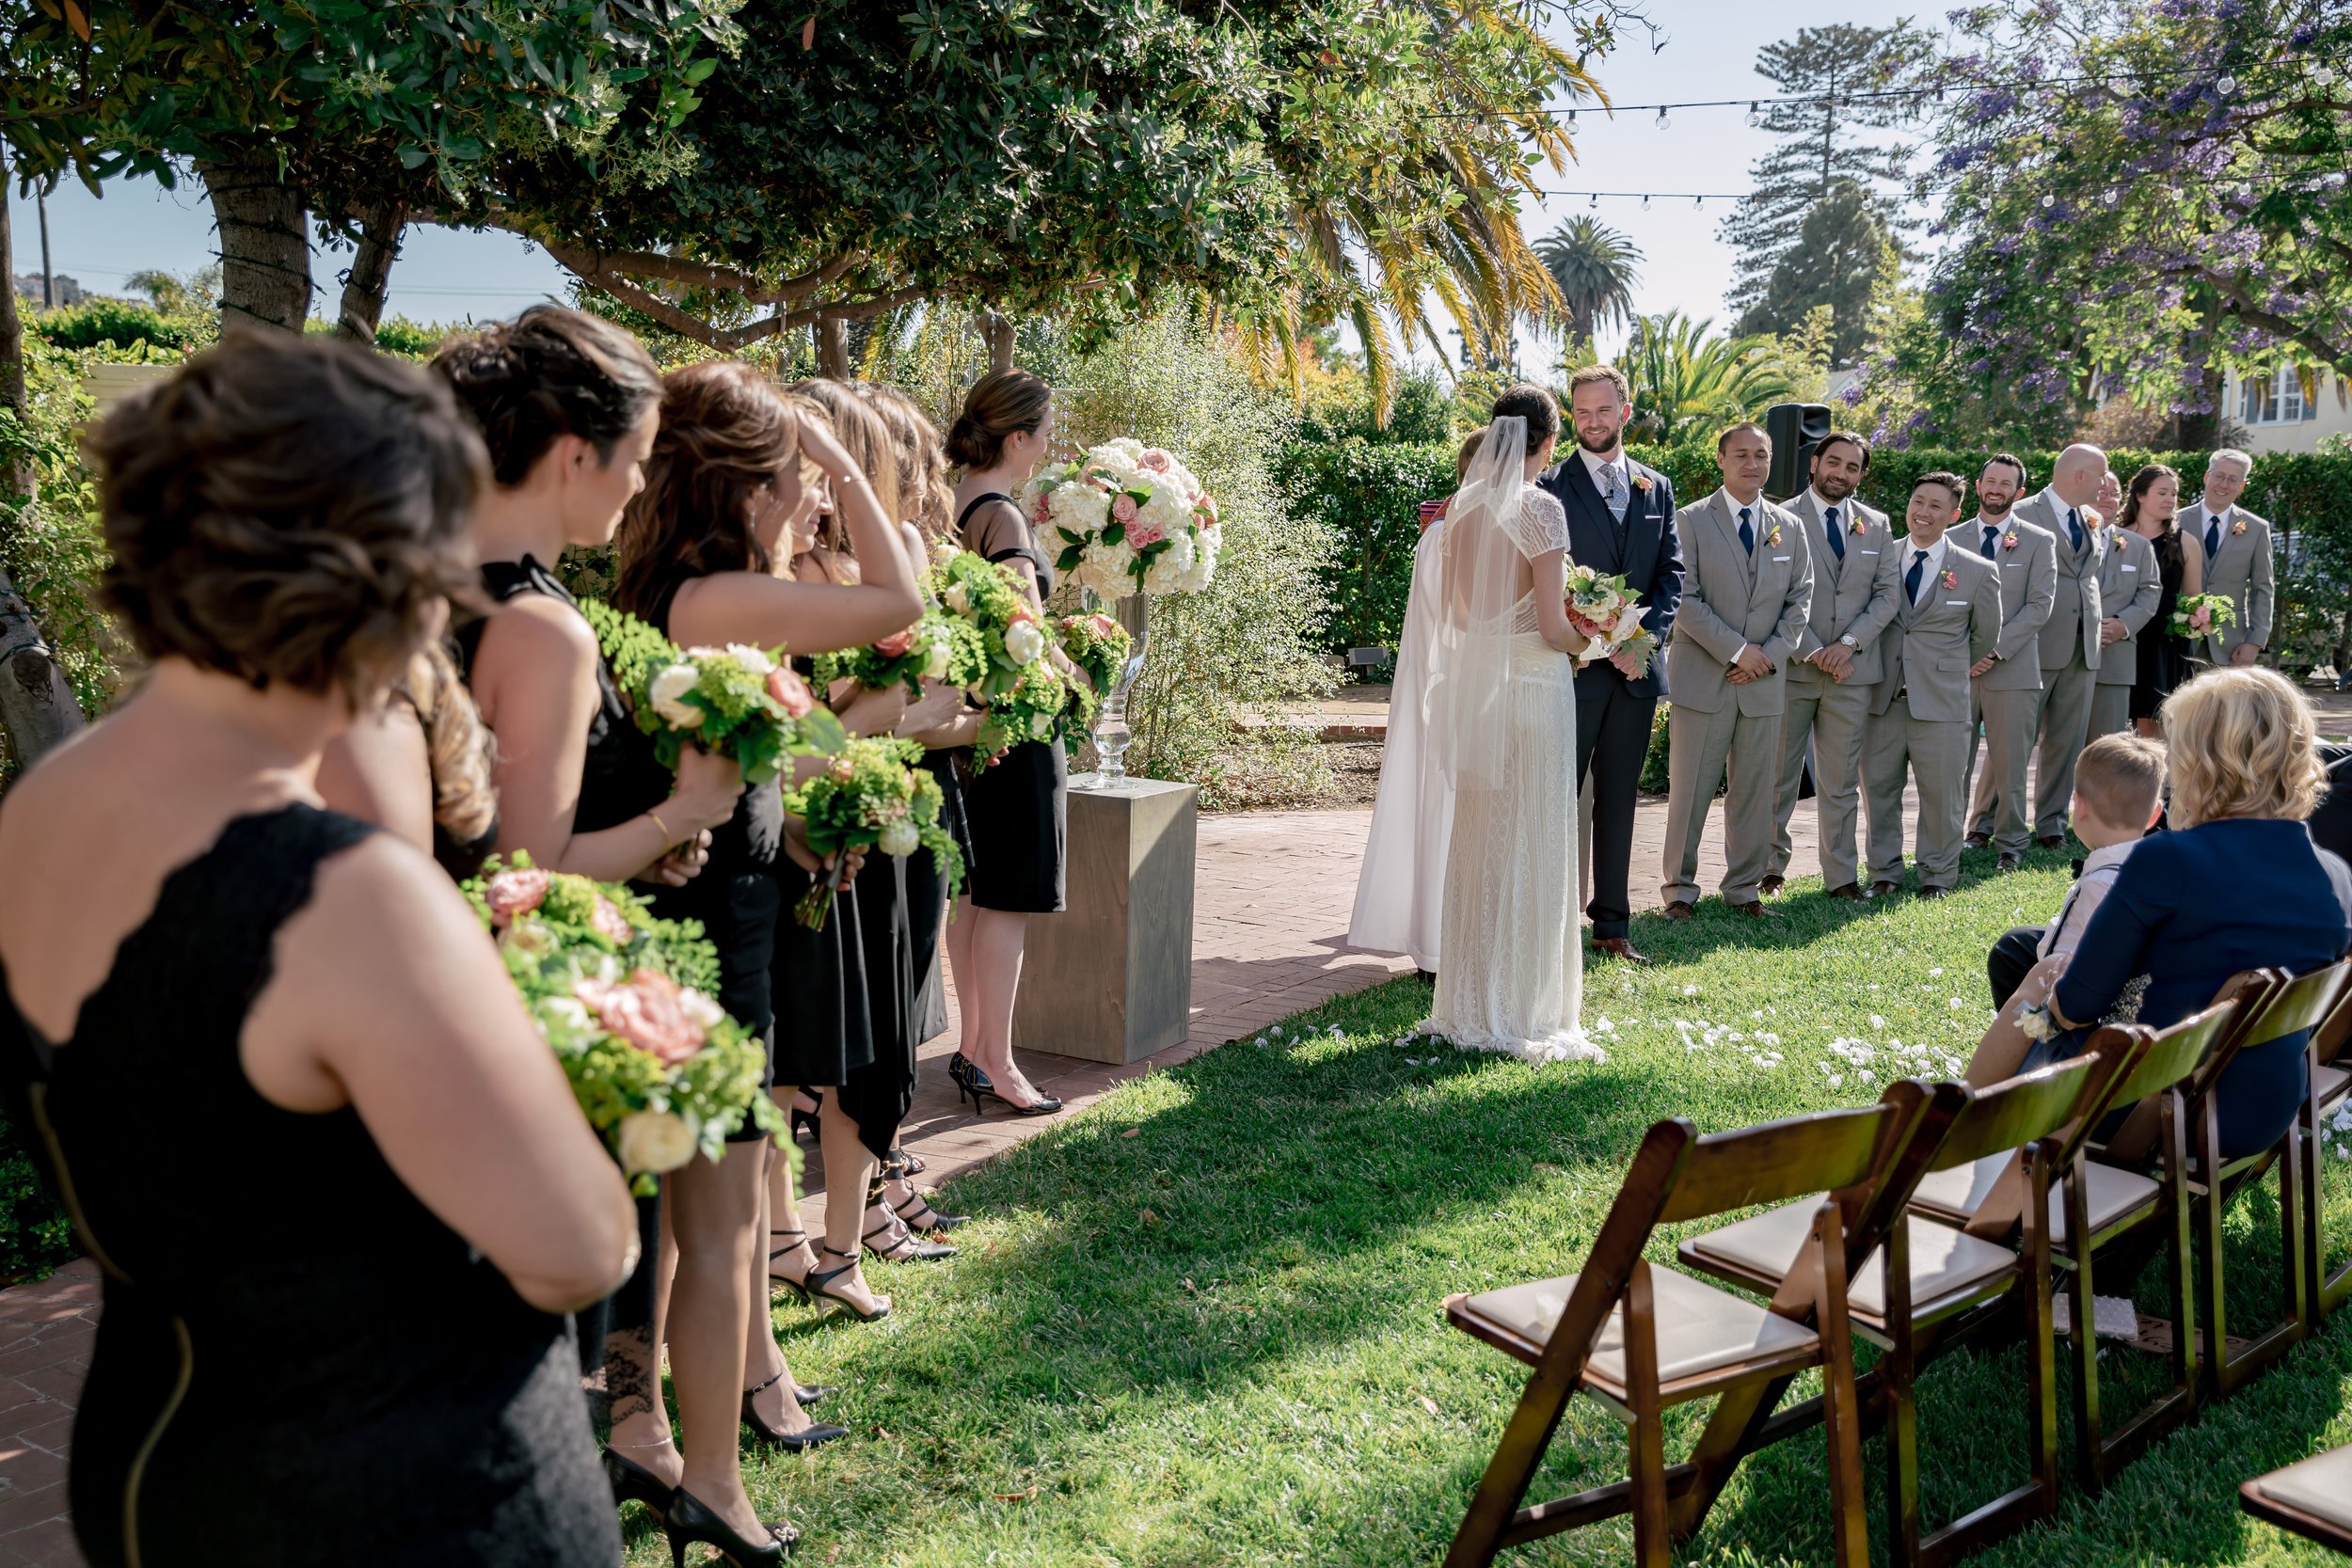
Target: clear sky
<point>1709,51</point>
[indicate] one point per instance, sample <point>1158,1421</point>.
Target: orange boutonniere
<point>1860,526</point>
<point>1773,537</point>
<point>1951,579</point>
<point>2237,527</point>
<point>1641,482</point>
<point>2009,540</point>
<point>2119,541</point>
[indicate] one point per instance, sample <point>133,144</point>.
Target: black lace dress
<point>265,1392</point>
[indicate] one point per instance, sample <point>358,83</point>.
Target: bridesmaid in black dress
<point>697,554</point>
<point>2163,657</point>
<point>568,406</point>
<point>1016,804</point>
<point>285,1082</point>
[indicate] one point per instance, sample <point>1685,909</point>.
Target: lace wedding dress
<point>1502,706</point>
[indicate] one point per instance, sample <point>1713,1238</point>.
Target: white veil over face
<point>1488,590</point>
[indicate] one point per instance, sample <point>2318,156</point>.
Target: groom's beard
<point>1600,449</point>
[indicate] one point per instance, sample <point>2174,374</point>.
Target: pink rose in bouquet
<point>1140,534</point>
<point>1103,624</point>
<point>512,893</point>
<point>895,644</point>
<point>1125,509</point>
<point>790,692</point>
<point>608,922</point>
<point>648,1010</point>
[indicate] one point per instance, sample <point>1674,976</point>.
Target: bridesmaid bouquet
<point>1099,646</point>
<point>2196,615</point>
<point>1608,611</point>
<point>1127,518</point>
<point>1033,706</point>
<point>940,647</point>
<point>1026,695</point>
<point>623,998</point>
<point>869,798</point>
<point>737,701</point>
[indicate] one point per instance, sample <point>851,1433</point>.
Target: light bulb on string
<point>1699,202</point>
<point>1664,123</point>
<point>1645,201</point>
<point>1595,203</point>
<point>2225,85</point>
<point>1571,119</point>
<point>1755,116</point>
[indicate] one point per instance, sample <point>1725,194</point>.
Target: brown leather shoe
<point>1618,947</point>
<point>1886,890</point>
<point>2011,860</point>
<point>2052,841</point>
<point>1754,908</point>
<point>1935,893</point>
<point>1770,887</point>
<point>1848,891</point>
<point>1979,840</point>
<point>1679,911</point>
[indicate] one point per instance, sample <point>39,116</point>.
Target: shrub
<point>35,1236</point>
<point>112,321</point>
<point>1367,499</point>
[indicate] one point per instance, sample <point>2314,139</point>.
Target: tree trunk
<point>265,244</point>
<point>832,346</point>
<point>370,273</point>
<point>2202,432</point>
<point>999,331</point>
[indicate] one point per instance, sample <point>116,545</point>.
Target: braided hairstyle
<point>549,373</point>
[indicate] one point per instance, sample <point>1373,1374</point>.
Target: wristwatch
<point>1848,640</point>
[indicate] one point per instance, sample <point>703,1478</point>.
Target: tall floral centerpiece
<point>1126,522</point>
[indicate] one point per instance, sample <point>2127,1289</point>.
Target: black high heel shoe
<point>633,1483</point>
<point>807,1119</point>
<point>893,1242</point>
<point>971,1080</point>
<point>689,1521</point>
<point>968,1079</point>
<point>915,1212</point>
<point>790,1442</point>
<point>798,1286</point>
<point>821,1279</point>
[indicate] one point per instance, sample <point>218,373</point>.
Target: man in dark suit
<point>1620,521</point>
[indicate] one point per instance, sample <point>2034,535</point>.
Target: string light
<point>1595,203</point>
<point>1664,123</point>
<point>2226,85</point>
<point>1756,117</point>
<point>1646,203</point>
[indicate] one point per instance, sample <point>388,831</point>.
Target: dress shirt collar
<point>1596,467</point>
<point>1755,507</point>
<point>1934,563</point>
<point>2112,855</point>
<point>2206,515</point>
<point>1821,507</point>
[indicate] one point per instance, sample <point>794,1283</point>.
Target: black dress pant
<point>2011,959</point>
<point>1613,725</point>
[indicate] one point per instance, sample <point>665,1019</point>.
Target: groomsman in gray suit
<point>1836,662</point>
<point>2237,558</point>
<point>2069,638</point>
<point>2128,588</point>
<point>1747,583</point>
<point>2007,691</point>
<point>1947,621</point>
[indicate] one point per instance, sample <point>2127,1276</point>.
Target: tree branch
<point>2337,355</point>
<point>692,274</point>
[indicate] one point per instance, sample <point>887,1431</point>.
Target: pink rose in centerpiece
<point>1038,516</point>
<point>1154,461</point>
<point>790,692</point>
<point>648,1010</point>
<point>1206,505</point>
<point>1140,534</point>
<point>512,893</point>
<point>1125,509</point>
<point>895,644</point>
<point>608,922</point>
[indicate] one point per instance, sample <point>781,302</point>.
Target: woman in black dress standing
<point>568,406</point>
<point>697,554</point>
<point>337,1108</point>
<point>2164,659</point>
<point>1017,805</point>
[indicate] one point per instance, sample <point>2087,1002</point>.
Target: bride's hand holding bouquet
<point>1607,612</point>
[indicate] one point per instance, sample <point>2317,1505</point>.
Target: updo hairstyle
<point>996,407</point>
<point>549,373</point>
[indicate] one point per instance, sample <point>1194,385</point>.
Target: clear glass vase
<point>1112,734</point>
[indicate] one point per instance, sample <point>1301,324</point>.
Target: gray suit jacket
<point>2074,613</point>
<point>2129,587</point>
<point>2027,559</point>
<point>1930,646</point>
<point>2243,570</point>
<point>1853,596</point>
<point>1732,599</point>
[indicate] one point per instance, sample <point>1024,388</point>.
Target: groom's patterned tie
<point>1612,491</point>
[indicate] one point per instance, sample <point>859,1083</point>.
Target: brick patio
<point>1273,893</point>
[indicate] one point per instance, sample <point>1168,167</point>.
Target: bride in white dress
<point>1502,722</point>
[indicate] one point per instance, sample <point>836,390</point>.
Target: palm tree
<point>1684,377</point>
<point>1596,268</point>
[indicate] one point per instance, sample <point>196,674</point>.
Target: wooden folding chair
<point>2095,1206</point>
<point>2312,1497</point>
<point>2325,1289</point>
<point>2270,1007</point>
<point>1930,1286</point>
<point>1639,1339</point>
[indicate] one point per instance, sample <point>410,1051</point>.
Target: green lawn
<point>1201,1324</point>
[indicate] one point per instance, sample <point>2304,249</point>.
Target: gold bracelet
<point>666,838</point>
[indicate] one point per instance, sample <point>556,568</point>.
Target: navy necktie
<point>1837,539</point>
<point>1991,531</point>
<point>2213,537</point>
<point>1747,534</point>
<point>2074,529</point>
<point>1910,578</point>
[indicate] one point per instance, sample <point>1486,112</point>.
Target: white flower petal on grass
<point>1690,991</point>
<point>1932,973</point>
<point>1877,1022</point>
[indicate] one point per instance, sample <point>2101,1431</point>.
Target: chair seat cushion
<point>2331,1082</point>
<point>1700,1328</point>
<point>1943,1261</point>
<point>2109,1192</point>
<point>2320,1486</point>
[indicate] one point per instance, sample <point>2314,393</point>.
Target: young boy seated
<point>2119,794</point>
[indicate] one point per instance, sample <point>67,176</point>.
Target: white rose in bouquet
<point>935,661</point>
<point>1023,643</point>
<point>701,1010</point>
<point>668,690</point>
<point>901,838</point>
<point>563,1019</point>
<point>533,937</point>
<point>958,598</point>
<point>655,1141</point>
<point>751,658</point>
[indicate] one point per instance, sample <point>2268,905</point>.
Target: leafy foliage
<point>1686,377</point>
<point>1843,249</point>
<point>34,1235</point>
<point>111,321</point>
<point>1595,268</point>
<point>1366,497</point>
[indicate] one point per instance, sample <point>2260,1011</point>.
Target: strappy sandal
<point>898,1244</point>
<point>790,1442</point>
<point>797,1283</point>
<point>821,1283</point>
<point>900,1163</point>
<point>921,1219</point>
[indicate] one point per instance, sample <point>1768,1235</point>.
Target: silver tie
<point>1614,493</point>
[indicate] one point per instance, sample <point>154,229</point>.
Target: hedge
<point>1368,495</point>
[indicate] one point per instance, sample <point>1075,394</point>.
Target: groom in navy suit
<point>1621,520</point>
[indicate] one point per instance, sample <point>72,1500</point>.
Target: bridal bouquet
<point>737,701</point>
<point>623,998</point>
<point>2196,615</point>
<point>869,798</point>
<point>1127,518</point>
<point>940,647</point>
<point>1607,610</point>
<point>1099,646</point>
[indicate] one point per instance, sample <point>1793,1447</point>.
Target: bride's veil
<point>1485,581</point>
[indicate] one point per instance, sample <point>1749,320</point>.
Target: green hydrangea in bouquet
<point>2196,616</point>
<point>1098,646</point>
<point>870,797</point>
<point>737,701</point>
<point>1036,705</point>
<point>987,596</point>
<point>623,998</point>
<point>940,647</point>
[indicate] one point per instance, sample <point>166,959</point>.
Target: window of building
<point>2278,398</point>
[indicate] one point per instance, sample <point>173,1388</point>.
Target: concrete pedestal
<point>1110,978</point>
